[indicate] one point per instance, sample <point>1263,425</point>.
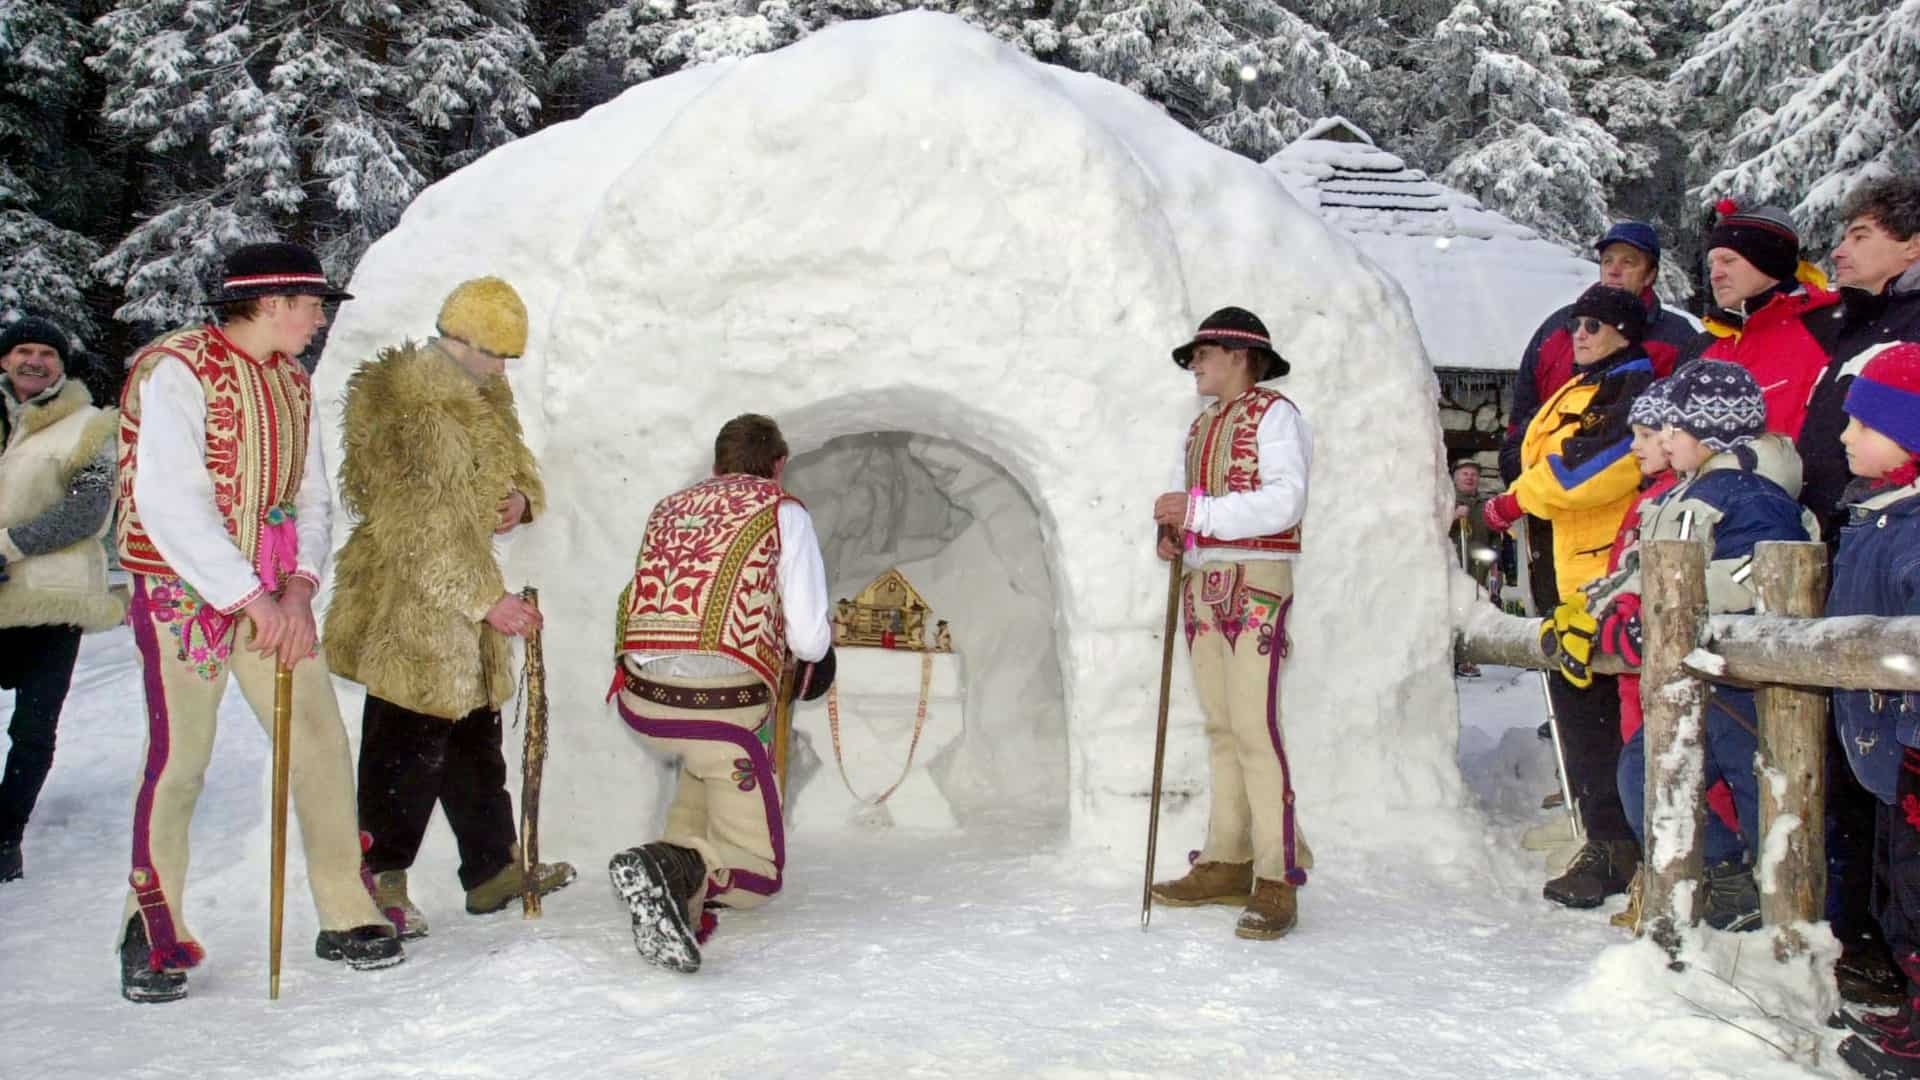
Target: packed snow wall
<point>903,225</point>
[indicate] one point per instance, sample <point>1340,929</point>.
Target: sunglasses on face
<point>1587,323</point>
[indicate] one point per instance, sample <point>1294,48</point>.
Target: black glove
<point>3,569</point>
<point>813,677</point>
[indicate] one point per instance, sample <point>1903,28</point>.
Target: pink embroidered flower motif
<point>743,775</point>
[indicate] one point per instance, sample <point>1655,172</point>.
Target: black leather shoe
<point>139,983</point>
<point>364,948</point>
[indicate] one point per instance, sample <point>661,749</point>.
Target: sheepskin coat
<point>429,454</point>
<point>56,493</point>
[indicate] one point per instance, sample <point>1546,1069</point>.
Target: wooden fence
<point>1792,656</point>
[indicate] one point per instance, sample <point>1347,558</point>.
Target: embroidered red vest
<point>707,579</point>
<point>257,413</point>
<point>1223,456</point>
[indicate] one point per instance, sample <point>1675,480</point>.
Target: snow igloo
<point>953,275</point>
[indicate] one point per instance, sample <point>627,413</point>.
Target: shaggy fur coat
<point>429,454</point>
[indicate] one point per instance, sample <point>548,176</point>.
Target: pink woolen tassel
<point>279,548</point>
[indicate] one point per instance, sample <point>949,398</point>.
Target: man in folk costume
<point>1245,491</point>
<point>728,583</point>
<point>435,468</point>
<point>223,524</point>
<point>56,493</point>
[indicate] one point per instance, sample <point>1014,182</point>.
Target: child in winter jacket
<point>1649,419</point>
<point>1877,572</point>
<point>1736,486</point>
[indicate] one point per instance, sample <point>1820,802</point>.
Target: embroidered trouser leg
<point>727,803</point>
<point>36,662</point>
<point>1236,631</point>
<point>409,761</point>
<point>182,694</point>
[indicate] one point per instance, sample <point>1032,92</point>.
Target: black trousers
<point>409,762</point>
<point>1541,580</point>
<point>1896,870</point>
<point>1589,722</point>
<point>1852,813</point>
<point>36,663</point>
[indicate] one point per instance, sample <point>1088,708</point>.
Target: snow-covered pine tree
<point>44,265</point>
<point>1806,99</point>
<point>1246,74</point>
<point>314,119</point>
<point>1495,97</point>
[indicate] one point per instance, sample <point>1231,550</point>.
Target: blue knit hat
<point>1885,396</point>
<point>1653,408</point>
<point>1717,403</point>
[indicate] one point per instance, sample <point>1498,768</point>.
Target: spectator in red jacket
<point>1762,291</point>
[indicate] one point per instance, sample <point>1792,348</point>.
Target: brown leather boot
<point>1207,883</point>
<point>1273,910</point>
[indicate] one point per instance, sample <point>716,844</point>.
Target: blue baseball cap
<point>1634,233</point>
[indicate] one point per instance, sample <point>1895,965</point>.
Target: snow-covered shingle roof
<point>1479,283</point>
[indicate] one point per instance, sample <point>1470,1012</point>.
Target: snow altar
<point>953,275</point>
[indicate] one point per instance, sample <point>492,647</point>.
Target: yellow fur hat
<point>487,314</point>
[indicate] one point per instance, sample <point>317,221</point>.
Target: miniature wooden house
<point>889,614</point>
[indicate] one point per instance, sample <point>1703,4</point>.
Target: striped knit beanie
<point>1717,403</point>
<point>1886,394</point>
<point>1652,409</point>
<point>1764,236</point>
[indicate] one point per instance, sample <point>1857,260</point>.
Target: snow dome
<point>953,275</point>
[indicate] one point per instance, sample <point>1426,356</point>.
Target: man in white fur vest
<point>56,494</point>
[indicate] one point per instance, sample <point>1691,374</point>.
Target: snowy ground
<point>991,954</point>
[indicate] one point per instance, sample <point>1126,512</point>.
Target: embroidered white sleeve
<point>174,494</point>
<point>1286,453</point>
<point>803,584</point>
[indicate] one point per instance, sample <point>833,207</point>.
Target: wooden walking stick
<point>783,722</point>
<point>533,762</point>
<point>282,763</point>
<point>1175,573</point>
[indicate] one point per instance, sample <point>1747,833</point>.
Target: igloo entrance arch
<point>904,226</point>
<point>971,540</point>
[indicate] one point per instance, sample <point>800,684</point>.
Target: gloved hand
<point>1620,628</point>
<point>1567,637</point>
<point>1501,511</point>
<point>3,569</point>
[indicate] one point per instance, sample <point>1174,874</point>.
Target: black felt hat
<point>1235,328</point>
<point>274,269</point>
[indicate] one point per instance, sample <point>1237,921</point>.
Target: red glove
<point>1620,629</point>
<point>1501,511</point>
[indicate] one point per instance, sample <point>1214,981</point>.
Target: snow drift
<point>905,226</point>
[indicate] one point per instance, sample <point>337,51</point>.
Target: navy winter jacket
<point>1878,573</point>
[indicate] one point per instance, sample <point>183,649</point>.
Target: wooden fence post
<point>1791,579</point>
<point>1674,608</point>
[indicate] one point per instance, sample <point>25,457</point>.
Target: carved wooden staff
<point>533,761</point>
<point>277,881</point>
<point>1175,573</point>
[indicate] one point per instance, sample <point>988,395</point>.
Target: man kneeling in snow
<point>1245,474</point>
<point>729,579</point>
